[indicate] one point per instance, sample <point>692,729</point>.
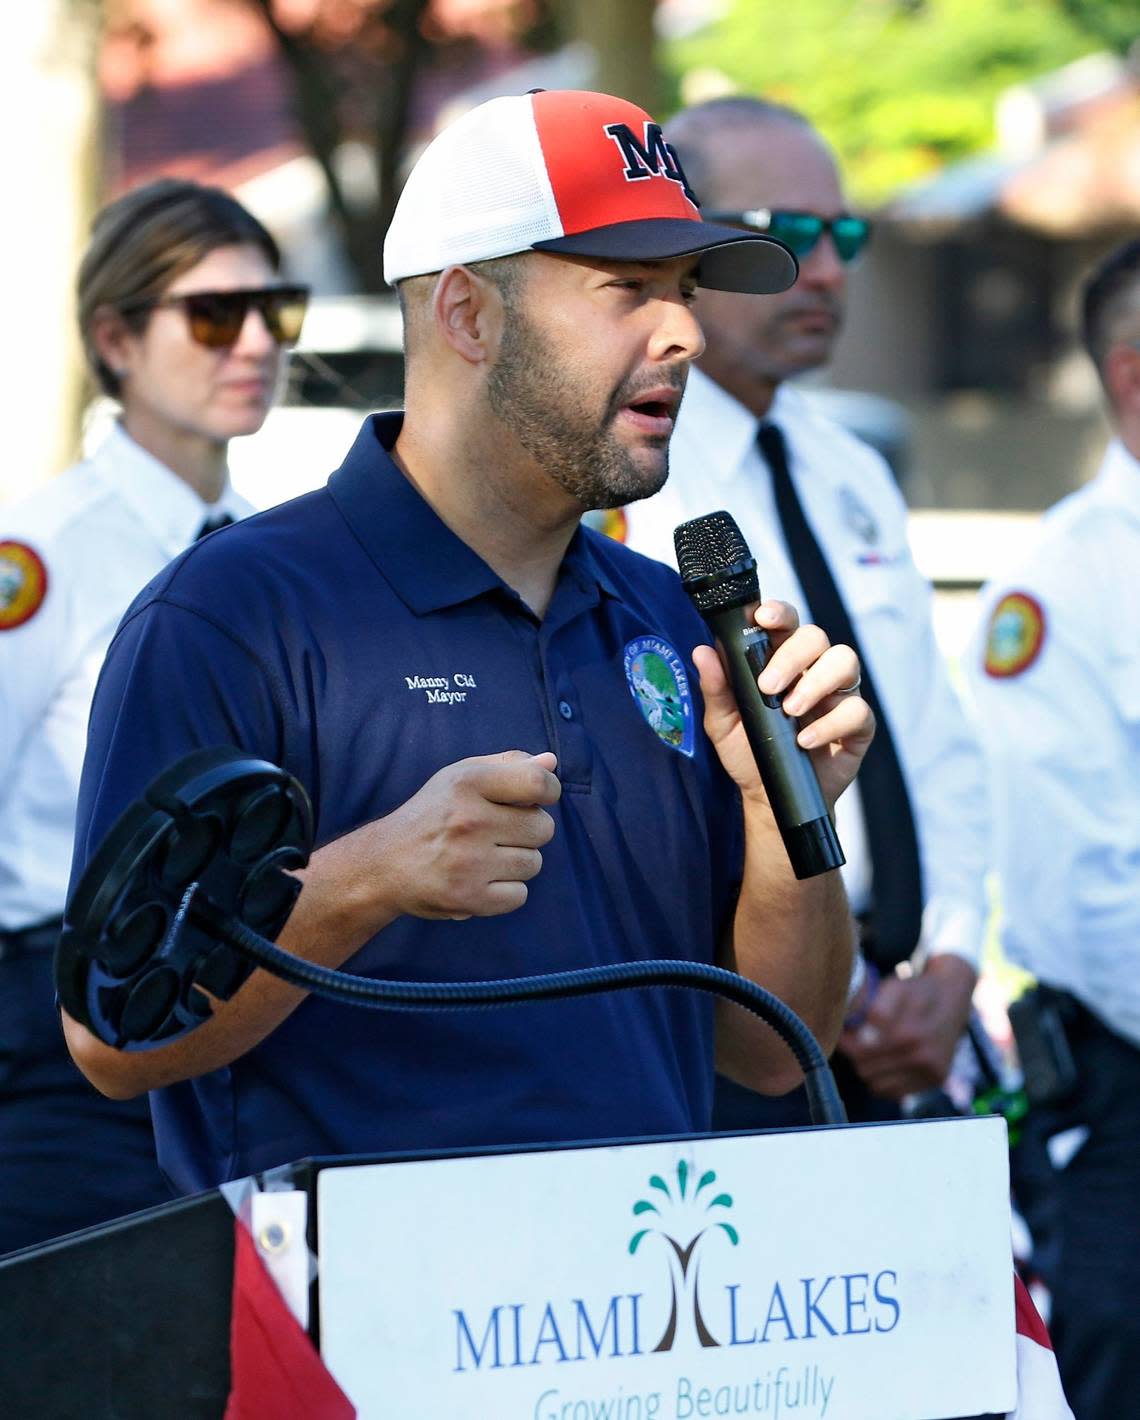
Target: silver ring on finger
<point>851,689</point>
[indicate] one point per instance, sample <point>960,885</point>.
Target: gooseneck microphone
<point>720,577</point>
<point>182,898</point>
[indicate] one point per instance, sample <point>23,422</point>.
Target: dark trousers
<point>68,1157</point>
<point>1090,1248</point>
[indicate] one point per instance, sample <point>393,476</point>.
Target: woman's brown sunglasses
<point>216,317</point>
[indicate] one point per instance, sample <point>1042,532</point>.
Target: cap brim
<point>731,260</point>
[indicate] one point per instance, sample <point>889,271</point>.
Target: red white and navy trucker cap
<point>566,171</point>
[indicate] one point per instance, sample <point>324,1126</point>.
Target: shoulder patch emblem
<point>23,584</point>
<point>659,684</point>
<point>1016,635</point>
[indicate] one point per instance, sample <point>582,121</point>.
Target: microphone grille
<point>715,564</point>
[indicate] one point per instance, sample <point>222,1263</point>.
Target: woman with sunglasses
<point>184,321</point>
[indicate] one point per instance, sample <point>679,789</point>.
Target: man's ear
<point>1122,378</point>
<point>468,313</point>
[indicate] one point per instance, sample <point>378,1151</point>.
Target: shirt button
<point>565,709</point>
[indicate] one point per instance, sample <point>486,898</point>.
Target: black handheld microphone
<point>719,574</point>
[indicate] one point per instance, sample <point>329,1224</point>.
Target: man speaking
<point>449,666</point>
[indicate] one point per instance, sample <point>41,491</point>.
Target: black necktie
<point>220,520</point>
<point>896,872</point>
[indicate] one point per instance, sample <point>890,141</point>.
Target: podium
<point>827,1272</point>
<point>123,1321</point>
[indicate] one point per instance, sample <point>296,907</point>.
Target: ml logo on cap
<point>651,158</point>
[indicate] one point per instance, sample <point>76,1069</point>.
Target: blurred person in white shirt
<point>1055,672</point>
<point>184,319</point>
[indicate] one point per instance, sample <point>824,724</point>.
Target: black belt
<point>30,941</point>
<point>1081,1023</point>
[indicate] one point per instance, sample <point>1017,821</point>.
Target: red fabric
<point>1039,1392</point>
<point>274,1368</point>
<point>572,134</point>
<point>1029,1323</point>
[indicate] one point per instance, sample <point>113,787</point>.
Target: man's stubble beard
<point>532,396</point>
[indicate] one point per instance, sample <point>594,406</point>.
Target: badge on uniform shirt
<point>659,684</point>
<point>23,584</point>
<point>858,516</point>
<point>1016,635</point>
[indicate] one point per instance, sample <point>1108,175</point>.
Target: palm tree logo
<point>685,1214</point>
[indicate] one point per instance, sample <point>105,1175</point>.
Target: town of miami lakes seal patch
<point>659,684</point>
<point>23,584</point>
<point>1016,635</point>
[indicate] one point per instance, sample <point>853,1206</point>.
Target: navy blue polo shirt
<point>351,637</point>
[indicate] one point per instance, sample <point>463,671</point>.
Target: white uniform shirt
<point>100,531</point>
<point>859,518</point>
<point>1059,712</point>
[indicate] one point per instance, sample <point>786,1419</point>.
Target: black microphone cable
<point>184,894</point>
<point>824,1102</point>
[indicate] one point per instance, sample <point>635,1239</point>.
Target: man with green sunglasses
<point>801,230</point>
<point>827,526</point>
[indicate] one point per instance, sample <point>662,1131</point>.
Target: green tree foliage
<point>1117,22</point>
<point>900,87</point>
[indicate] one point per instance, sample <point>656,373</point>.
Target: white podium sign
<point>836,1274</point>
